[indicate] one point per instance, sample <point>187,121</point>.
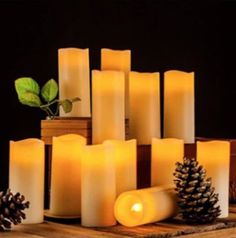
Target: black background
<point>162,35</point>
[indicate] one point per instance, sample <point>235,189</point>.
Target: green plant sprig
<point>29,93</point>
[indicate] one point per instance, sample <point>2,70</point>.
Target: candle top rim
<point>214,142</point>
<point>115,50</point>
<point>97,71</point>
<point>173,71</point>
<point>27,141</point>
<point>172,140</point>
<point>108,141</point>
<point>144,73</point>
<point>73,49</point>
<point>69,137</point>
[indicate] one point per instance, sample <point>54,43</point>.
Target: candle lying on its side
<point>27,175</point>
<point>98,186</point>
<point>214,156</point>
<point>124,153</point>
<point>65,197</point>
<point>165,153</point>
<point>144,206</point>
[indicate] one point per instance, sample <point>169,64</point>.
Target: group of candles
<point>99,181</point>
<point>119,93</point>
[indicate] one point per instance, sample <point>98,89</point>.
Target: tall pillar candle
<point>165,153</point>
<point>144,119</point>
<point>179,119</point>
<point>65,197</point>
<point>74,80</point>
<point>27,175</point>
<point>125,153</point>
<point>108,95</point>
<point>98,186</point>
<point>214,156</point>
<point>144,206</point>
<point>119,60</point>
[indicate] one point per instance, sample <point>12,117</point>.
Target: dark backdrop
<point>162,35</point>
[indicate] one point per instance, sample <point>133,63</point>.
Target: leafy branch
<point>29,94</point>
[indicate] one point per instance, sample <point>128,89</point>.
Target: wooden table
<point>224,228</point>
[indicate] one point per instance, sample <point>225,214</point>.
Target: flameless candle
<point>179,105</point>
<point>144,118</point>
<point>144,206</point>
<point>74,80</point>
<point>108,93</point>
<point>27,175</point>
<point>66,175</point>
<point>165,153</point>
<point>118,60</point>
<point>98,186</point>
<point>214,156</point>
<point>124,153</point>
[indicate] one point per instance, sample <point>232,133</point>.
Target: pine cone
<point>11,207</point>
<point>196,197</point>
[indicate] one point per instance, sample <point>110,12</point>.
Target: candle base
<point>48,214</point>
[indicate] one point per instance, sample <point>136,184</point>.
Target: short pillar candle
<point>27,175</point>
<point>65,197</point>
<point>165,153</point>
<point>214,156</point>
<point>144,206</point>
<point>98,187</point>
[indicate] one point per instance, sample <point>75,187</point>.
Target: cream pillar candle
<point>98,186</point>
<point>74,80</point>
<point>179,119</point>
<point>144,119</point>
<point>108,119</point>
<point>65,197</point>
<point>144,206</point>
<point>27,175</point>
<point>118,60</point>
<point>214,156</point>
<point>165,153</point>
<point>125,153</point>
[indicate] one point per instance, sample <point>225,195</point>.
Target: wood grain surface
<point>173,228</point>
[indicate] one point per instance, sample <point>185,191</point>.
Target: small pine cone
<point>11,207</point>
<point>196,197</point>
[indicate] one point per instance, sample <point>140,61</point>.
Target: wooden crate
<point>69,125</point>
<point>83,126</point>
<point>60,126</point>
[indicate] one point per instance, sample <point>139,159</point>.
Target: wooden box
<point>61,126</point>
<point>83,126</point>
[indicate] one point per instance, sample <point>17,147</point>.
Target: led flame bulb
<point>137,207</point>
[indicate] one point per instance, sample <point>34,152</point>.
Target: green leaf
<point>30,99</point>
<point>49,90</point>
<point>66,105</point>
<point>25,84</point>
